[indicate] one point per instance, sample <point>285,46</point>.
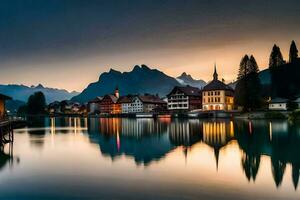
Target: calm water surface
<point>80,158</point>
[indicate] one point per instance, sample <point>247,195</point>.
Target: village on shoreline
<point>215,100</point>
<point>247,99</point>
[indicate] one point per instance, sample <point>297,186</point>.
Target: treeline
<point>35,105</point>
<point>250,94</point>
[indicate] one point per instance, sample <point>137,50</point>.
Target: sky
<point>69,43</point>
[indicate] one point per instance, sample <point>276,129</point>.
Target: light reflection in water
<point>265,151</point>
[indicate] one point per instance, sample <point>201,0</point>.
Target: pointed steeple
<point>117,94</point>
<point>217,152</point>
<point>215,73</point>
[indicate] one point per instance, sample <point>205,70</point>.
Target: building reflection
<point>143,139</point>
<point>217,134</point>
<point>68,125</point>
<point>147,140</point>
<point>185,132</point>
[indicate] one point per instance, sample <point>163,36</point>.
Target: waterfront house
<point>66,106</point>
<point>54,107</point>
<point>184,98</point>
<point>93,105</point>
<point>278,104</point>
<point>3,98</point>
<point>75,108</point>
<point>125,103</point>
<point>141,103</point>
<point>217,95</point>
<point>150,103</point>
<point>109,104</point>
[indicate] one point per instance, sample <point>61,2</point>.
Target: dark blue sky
<point>55,41</point>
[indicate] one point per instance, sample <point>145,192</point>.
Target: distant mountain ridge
<point>22,92</point>
<point>140,80</point>
<point>187,79</point>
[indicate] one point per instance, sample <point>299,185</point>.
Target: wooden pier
<point>6,132</point>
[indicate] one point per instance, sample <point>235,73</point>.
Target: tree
<point>276,58</point>
<point>36,104</point>
<point>293,52</point>
<point>243,70</point>
<point>252,65</point>
<point>248,88</point>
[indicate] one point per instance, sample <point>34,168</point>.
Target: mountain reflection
<point>147,140</point>
<point>143,139</point>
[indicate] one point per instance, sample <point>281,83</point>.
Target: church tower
<point>215,73</point>
<point>117,92</point>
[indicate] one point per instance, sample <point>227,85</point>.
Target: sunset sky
<point>69,43</point>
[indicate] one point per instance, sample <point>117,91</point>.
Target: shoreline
<point>257,115</point>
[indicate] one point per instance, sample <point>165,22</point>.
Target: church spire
<point>215,73</point>
<point>117,94</point>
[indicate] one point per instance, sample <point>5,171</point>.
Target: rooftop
<point>151,99</point>
<point>279,100</point>
<point>187,90</point>
<point>216,85</point>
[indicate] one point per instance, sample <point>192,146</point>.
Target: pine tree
<point>252,65</point>
<point>248,88</point>
<point>293,52</point>
<point>276,58</point>
<point>243,70</point>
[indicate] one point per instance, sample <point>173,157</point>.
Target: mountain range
<point>22,92</point>
<point>141,79</point>
<point>186,79</point>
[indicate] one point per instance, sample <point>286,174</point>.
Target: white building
<point>278,104</point>
<point>136,105</point>
<point>216,95</point>
<point>140,103</point>
<point>126,102</point>
<point>184,98</point>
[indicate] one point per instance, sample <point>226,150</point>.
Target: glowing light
<point>270,130</point>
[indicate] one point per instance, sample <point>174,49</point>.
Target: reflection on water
<point>147,140</point>
<point>261,147</point>
<point>143,139</point>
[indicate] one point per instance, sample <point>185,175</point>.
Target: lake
<point>114,158</point>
